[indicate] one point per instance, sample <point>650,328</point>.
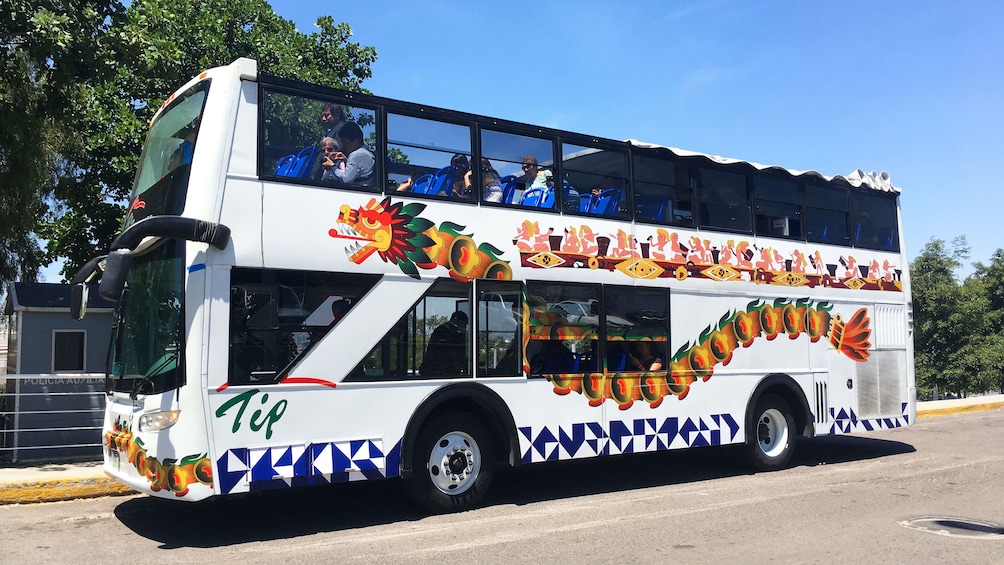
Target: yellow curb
<point>63,489</point>
<point>950,410</point>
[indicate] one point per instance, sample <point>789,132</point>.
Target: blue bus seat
<point>285,164</point>
<point>616,361</point>
<point>606,202</point>
<point>508,188</point>
<point>531,197</point>
<point>651,206</point>
<point>585,202</point>
<point>304,163</point>
<point>422,184</point>
<point>442,181</point>
<point>547,201</point>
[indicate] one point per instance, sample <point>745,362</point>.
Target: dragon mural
<point>172,475</point>
<point>397,234</point>
<point>716,346</point>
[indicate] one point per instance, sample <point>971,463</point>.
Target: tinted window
<point>294,132</point>
<point>777,207</point>
<point>564,328</point>
<point>637,328</point>
<point>874,221</point>
<point>524,166</point>
<point>599,173</point>
<point>428,157</point>
<point>724,200</point>
<point>662,192</point>
<point>826,215</point>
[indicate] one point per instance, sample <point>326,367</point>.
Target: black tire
<point>770,437</point>
<point>459,444</point>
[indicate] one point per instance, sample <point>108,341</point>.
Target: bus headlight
<point>158,420</point>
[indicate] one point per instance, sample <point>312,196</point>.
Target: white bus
<point>396,290</point>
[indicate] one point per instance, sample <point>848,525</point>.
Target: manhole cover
<point>955,527</point>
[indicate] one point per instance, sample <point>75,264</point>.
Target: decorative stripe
<point>253,469</point>
<point>196,267</point>
<point>306,380</point>
<point>589,439</point>
<point>845,421</point>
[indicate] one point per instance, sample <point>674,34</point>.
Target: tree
<point>134,58</point>
<point>48,49</point>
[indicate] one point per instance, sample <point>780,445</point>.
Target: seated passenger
<point>462,177</point>
<point>326,157</point>
<point>491,187</point>
<point>446,353</point>
<point>358,161</point>
<point>645,358</point>
<point>532,177</point>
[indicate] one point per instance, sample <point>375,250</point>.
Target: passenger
<point>332,120</point>
<point>533,176</point>
<point>446,353</point>
<point>491,187</point>
<point>462,177</point>
<point>358,160</point>
<point>645,357</point>
<point>326,157</point>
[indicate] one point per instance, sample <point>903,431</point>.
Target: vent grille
<point>822,402</point>
<point>891,326</point>
<point>878,385</point>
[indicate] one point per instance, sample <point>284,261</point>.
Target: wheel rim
<point>454,463</point>
<point>772,432</point>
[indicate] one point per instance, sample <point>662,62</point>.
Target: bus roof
<point>857,178</point>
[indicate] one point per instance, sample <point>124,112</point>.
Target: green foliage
<point>80,82</point>
<point>958,338</point>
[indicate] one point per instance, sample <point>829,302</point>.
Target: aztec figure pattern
<point>398,235</point>
<point>667,255</point>
<point>171,475</point>
<point>716,346</point>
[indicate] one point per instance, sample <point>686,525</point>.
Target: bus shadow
<point>285,514</point>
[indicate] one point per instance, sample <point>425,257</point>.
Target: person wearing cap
<point>446,354</point>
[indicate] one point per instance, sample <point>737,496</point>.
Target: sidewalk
<point>54,482</point>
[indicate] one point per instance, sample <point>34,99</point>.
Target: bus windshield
<point>147,346</point>
<point>162,178</point>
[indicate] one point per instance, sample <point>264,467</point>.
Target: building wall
<point>36,340</point>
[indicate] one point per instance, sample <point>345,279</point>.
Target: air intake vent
<point>822,402</point>
<point>878,385</point>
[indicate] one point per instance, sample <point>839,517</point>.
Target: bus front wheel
<point>454,463</point>
<point>770,439</point>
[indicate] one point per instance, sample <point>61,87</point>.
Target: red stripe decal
<point>306,380</point>
<point>222,387</point>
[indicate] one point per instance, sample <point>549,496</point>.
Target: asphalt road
<point>843,501</point>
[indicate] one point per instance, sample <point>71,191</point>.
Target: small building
<point>44,339</point>
<point>52,410</point>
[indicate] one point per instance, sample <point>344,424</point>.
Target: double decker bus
<point>397,290</point>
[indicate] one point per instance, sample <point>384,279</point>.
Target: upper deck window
<point>524,166</point>
<point>595,180</point>
<point>777,207</point>
<point>662,191</point>
<point>326,141</point>
<point>428,157</point>
<point>724,200</point>
<point>826,215</point>
<point>874,221</point>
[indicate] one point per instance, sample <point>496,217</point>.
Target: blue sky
<point>913,88</point>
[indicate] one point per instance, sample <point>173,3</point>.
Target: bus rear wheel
<point>454,463</point>
<point>770,439</point>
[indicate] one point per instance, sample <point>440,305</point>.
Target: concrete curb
<point>31,491</point>
<point>961,409</point>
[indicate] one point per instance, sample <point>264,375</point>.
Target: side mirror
<point>78,301</point>
<point>116,269</point>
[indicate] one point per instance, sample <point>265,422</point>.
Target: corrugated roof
<point>858,178</point>
<point>49,296</point>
